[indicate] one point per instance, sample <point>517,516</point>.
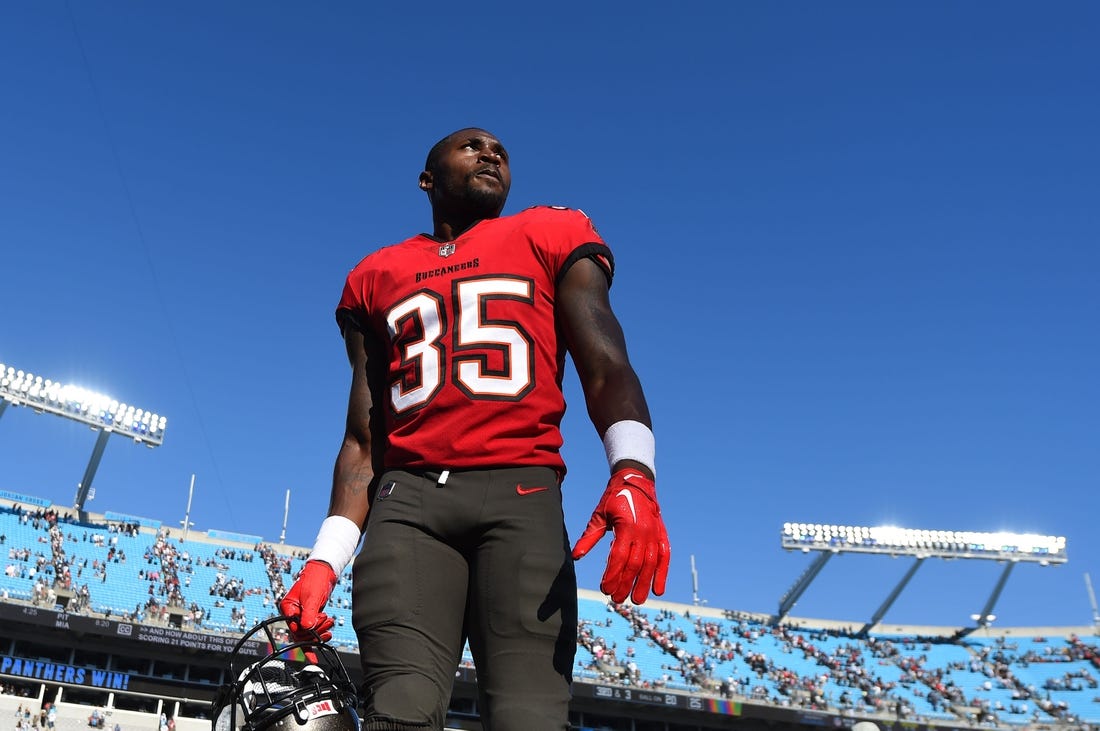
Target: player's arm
<point>612,391</point>
<point>638,561</point>
<point>360,451</point>
<point>349,502</point>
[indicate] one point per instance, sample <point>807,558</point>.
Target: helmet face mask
<point>284,686</point>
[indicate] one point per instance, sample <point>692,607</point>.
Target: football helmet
<point>278,684</point>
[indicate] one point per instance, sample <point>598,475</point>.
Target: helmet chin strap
<point>301,713</point>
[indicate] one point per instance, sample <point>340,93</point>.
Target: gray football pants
<point>484,556</point>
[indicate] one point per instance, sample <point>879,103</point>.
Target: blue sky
<point>857,250</point>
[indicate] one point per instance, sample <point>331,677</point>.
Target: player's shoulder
<point>572,223</point>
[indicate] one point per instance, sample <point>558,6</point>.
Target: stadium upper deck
<point>134,571</point>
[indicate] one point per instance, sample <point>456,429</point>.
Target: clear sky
<point>858,252</point>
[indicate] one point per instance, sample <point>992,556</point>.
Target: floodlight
<point>22,388</point>
<point>1004,547</point>
<point>99,411</point>
<point>1001,545</point>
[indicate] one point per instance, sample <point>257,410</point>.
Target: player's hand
<point>639,552</point>
<point>306,600</point>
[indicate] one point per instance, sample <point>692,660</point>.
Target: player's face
<point>471,173</point>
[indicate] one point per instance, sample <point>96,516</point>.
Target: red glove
<point>306,599</point>
<point>639,552</point>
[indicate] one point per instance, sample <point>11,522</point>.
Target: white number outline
<point>429,326</point>
<point>424,354</point>
<point>470,370</point>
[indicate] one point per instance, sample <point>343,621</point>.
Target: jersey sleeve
<point>576,238</point>
<point>351,310</point>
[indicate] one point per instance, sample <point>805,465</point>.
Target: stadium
<point>856,261</point>
<point>121,621</point>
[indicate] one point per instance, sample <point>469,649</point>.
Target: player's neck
<point>449,228</point>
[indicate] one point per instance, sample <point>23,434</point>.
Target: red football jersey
<point>475,358</point>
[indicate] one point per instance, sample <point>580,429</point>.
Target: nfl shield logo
<point>446,249</point>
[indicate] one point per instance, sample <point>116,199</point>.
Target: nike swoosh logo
<point>521,490</point>
<point>630,501</point>
<point>628,475</point>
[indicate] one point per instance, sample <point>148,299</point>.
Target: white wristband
<point>336,542</point>
<point>630,440</point>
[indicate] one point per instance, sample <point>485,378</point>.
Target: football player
<point>451,459</point>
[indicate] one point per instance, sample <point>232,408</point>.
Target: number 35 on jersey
<point>488,358</point>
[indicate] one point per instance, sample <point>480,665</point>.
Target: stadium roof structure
<point>100,412</point>
<point>830,540</point>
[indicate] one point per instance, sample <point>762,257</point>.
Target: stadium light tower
<point>1092,602</point>
<point>286,514</point>
<point>695,584</point>
<point>186,522</point>
<point>831,540</point>
<point>100,412</point>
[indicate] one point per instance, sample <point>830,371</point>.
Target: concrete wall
<point>74,716</point>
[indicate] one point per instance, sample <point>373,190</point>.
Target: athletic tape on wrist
<point>336,542</point>
<point>630,440</point>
